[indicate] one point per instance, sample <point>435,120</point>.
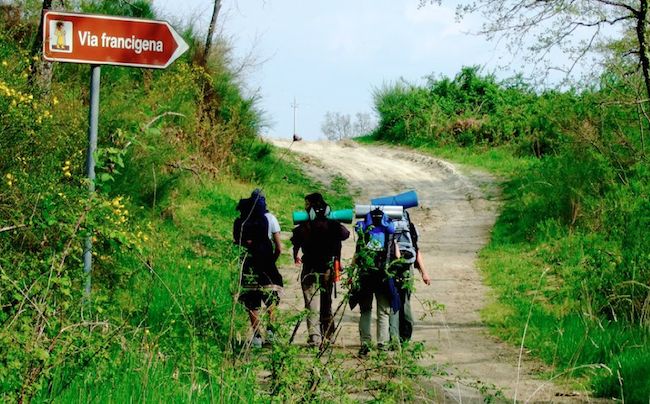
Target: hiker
<point>258,231</point>
<point>376,249</point>
<point>406,235</point>
<point>320,239</point>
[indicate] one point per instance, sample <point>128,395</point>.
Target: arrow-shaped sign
<point>108,40</point>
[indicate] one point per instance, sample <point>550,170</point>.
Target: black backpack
<point>251,228</point>
<point>322,241</point>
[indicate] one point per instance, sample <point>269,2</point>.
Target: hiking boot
<point>364,351</point>
<point>256,342</point>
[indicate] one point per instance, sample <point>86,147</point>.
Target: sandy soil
<point>456,213</point>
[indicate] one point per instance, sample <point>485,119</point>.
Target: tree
<point>364,124</point>
<point>211,28</point>
<point>574,27</point>
<point>41,70</point>
<point>337,126</point>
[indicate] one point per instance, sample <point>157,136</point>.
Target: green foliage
<point>475,110</point>
<point>570,243</point>
<point>407,115</point>
<point>132,8</point>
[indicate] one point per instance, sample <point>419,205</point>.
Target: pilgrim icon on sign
<point>61,36</point>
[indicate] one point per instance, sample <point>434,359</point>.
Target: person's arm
<point>415,235</point>
<point>296,241</point>
<point>278,246</point>
<point>296,259</point>
<point>419,265</point>
<point>274,229</point>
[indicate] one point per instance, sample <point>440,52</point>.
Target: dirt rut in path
<point>454,221</point>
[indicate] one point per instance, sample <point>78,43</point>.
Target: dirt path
<point>454,220</point>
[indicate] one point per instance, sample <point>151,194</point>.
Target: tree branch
<point>9,228</point>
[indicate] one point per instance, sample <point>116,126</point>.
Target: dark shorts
<point>252,299</point>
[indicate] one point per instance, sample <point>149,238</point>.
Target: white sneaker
<point>256,342</point>
<point>270,336</point>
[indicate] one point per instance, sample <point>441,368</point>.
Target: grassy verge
<point>500,160</point>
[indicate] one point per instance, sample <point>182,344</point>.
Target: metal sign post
<point>93,120</point>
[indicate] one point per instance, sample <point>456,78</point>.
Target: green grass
<point>528,292</point>
<point>146,376</point>
<point>499,160</point>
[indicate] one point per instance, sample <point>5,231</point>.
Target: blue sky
<point>331,55</point>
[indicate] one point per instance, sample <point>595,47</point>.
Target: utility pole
<point>295,107</point>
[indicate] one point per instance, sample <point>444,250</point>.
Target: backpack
<point>376,238</point>
<point>321,241</point>
<point>250,229</point>
<point>404,238</point>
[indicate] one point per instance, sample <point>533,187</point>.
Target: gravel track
<point>456,213</point>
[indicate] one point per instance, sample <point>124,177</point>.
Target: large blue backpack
<point>376,238</point>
